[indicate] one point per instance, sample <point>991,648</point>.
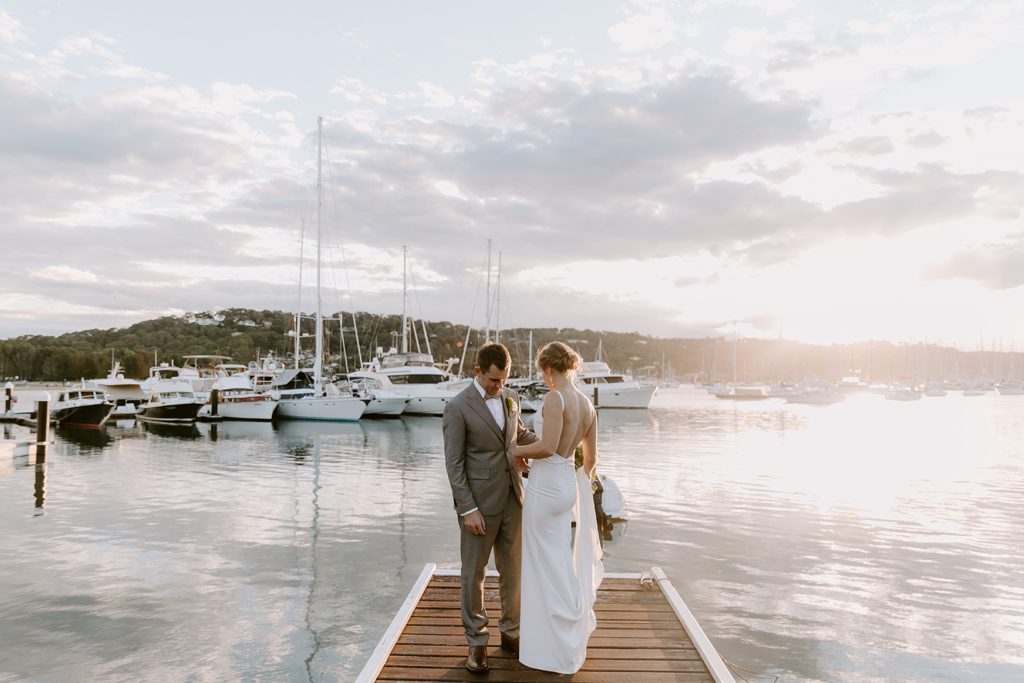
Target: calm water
<point>866,541</point>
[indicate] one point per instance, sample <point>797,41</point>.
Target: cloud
<point>648,25</point>
<point>997,266</point>
<point>870,146</point>
<point>925,139</point>
<point>928,195</point>
<point>129,191</point>
<point>11,30</point>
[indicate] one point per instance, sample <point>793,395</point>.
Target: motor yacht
<point>413,376</point>
<point>379,401</point>
<point>170,400</point>
<point>125,393</point>
<point>612,390</point>
<point>236,398</point>
<point>81,407</point>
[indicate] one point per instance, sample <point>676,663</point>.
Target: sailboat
<point>316,403</point>
<point>741,392</point>
<point>410,376</point>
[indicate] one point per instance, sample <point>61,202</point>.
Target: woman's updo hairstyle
<point>558,357</point>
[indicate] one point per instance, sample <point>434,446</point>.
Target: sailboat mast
<point>487,331</point>
<point>497,303</point>
<point>318,362</point>
<point>405,301</point>
<point>298,312</point>
<point>529,358</point>
<point>734,353</point>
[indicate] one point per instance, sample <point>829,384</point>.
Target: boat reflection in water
<point>185,431</point>
<point>242,430</point>
<point>87,440</point>
<point>290,431</point>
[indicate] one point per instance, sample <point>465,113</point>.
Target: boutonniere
<point>511,404</point>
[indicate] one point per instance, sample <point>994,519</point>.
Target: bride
<point>559,576</point>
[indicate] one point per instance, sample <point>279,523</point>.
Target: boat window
<point>614,379</point>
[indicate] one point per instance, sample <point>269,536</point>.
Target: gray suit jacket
<point>478,456</point>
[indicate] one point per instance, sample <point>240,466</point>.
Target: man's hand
<point>522,464</point>
<point>474,522</point>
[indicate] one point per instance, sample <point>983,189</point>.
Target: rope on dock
<point>737,668</point>
<point>648,582</point>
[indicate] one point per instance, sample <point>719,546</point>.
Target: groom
<point>482,426</point>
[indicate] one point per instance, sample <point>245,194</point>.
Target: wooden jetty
<point>645,633</point>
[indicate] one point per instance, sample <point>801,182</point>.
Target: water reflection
<point>39,490</point>
<point>300,430</point>
<point>859,541</point>
<point>87,440</point>
<point>242,430</point>
<point>184,432</point>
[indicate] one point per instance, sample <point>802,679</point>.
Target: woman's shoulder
<point>554,395</point>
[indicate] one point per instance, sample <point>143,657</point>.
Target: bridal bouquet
<point>578,462</point>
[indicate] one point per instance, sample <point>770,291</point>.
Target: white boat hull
<point>177,411</point>
<point>342,409</point>
<point>384,407</point>
<point>259,411</point>
<point>426,405</point>
<point>815,398</point>
<point>530,405</point>
<point>610,396</point>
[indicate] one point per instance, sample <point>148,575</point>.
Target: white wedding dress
<point>560,575</point>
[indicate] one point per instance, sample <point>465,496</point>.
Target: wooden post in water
<point>214,401</point>
<point>42,427</point>
<point>595,397</point>
<point>8,397</point>
<point>42,438</point>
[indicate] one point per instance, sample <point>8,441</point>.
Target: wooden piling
<point>42,425</point>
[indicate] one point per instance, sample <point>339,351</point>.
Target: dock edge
<point>387,641</point>
<point>719,671</point>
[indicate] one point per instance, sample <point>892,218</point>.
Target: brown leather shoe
<point>509,643</point>
<point>477,659</point>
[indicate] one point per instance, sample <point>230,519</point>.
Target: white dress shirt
<point>493,404</point>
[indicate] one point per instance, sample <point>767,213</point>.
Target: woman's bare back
<point>577,418</point>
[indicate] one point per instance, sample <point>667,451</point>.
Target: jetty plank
<point>644,634</point>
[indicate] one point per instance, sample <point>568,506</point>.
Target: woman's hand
<point>522,464</point>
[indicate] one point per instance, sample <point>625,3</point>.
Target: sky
<point>820,171</point>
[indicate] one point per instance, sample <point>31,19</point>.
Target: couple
<point>486,450</point>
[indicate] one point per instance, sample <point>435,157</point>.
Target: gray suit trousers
<point>504,535</point>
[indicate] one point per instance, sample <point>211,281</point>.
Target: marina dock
<point>645,632</point>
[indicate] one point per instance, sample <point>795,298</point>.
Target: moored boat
<point>125,393</point>
<point>740,392</point>
<point>412,376</point>
<point>82,408</point>
<point>170,400</point>
<point>612,390</point>
<point>236,399</point>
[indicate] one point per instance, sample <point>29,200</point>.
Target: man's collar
<point>483,392</point>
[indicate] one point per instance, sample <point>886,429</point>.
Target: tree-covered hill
<point>245,335</point>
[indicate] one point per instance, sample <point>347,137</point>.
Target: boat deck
<point>644,633</point>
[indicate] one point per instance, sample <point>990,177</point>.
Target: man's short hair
<point>495,354</point>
